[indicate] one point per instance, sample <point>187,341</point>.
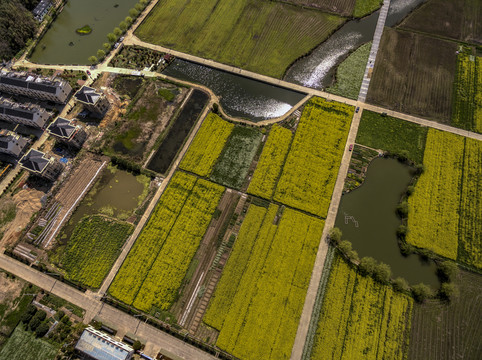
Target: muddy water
<point>367,218</point>
<point>318,69</point>
<point>239,96</point>
<point>62,45</point>
<point>105,198</point>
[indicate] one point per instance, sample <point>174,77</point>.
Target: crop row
<point>167,243</point>
<point>271,162</point>
<point>311,168</point>
<point>207,145</point>
<point>467,111</point>
<point>434,206</point>
<point>264,292</point>
<point>92,249</point>
<point>361,318</point>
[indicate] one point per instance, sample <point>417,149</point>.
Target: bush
<point>402,232</point>
<point>382,273</point>
<point>42,329</point>
<point>421,292</point>
<point>400,284</point>
<point>335,235</point>
<point>137,345</point>
<point>406,248</point>
<point>447,270</point>
<point>367,265</point>
<point>448,291</point>
<point>402,209</point>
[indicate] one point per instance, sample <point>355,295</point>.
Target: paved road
<point>95,308</point>
<point>373,51</point>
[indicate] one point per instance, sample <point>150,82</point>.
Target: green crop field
<point>349,74</point>
<point>156,266</point>
<point>93,248</point>
<point>258,35</point>
<point>342,7</point>
<point>467,109</point>
<point>445,210</point>
<point>365,7</point>
<point>449,330</point>
<point>393,135</point>
<point>271,162</point>
<point>23,345</point>
<point>311,168</point>
<point>233,164</point>
<point>361,319</point>
<point>264,283</point>
<point>207,145</point>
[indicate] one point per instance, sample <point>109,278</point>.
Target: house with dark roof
<point>37,87</point>
<point>25,114</point>
<point>38,163</point>
<point>94,344</point>
<point>42,9</point>
<point>94,102</point>
<point>11,143</point>
<point>67,132</point>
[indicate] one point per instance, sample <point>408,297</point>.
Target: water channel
<point>62,45</point>
<point>317,70</point>
<point>367,218</point>
<point>239,96</point>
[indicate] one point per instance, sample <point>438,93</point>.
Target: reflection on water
<point>367,218</point>
<point>239,96</point>
<point>318,69</point>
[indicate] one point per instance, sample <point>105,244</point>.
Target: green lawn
<point>392,134</point>
<point>23,345</point>
<point>258,35</point>
<point>365,7</point>
<point>349,75</point>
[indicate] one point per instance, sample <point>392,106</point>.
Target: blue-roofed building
<point>96,345</point>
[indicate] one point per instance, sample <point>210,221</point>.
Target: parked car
<point>350,148</point>
<point>357,109</point>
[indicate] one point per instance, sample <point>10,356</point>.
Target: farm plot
<point>233,164</point>
<point>155,268</point>
<point>342,7</point>
<point>467,111</point>
<point>365,7</point>
<point>207,145</point>
<point>414,74</point>
<point>433,208</point>
<point>361,318</point>
<point>455,19</point>
<point>452,330</point>
<point>470,227</point>
<point>93,248</point>
<point>23,345</point>
<point>270,264</point>
<point>310,171</point>
<point>349,74</point>
<point>393,135</point>
<point>250,34</point>
<point>271,162</point>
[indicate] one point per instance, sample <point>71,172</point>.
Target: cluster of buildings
<point>32,115</point>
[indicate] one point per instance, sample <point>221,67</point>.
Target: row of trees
<point>119,31</point>
<point>381,272</point>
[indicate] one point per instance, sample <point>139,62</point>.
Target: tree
<point>400,284</point>
<point>133,13</point>
<point>353,256</point>
<point>345,246</point>
<point>128,20</point>
<point>382,273</point>
<point>111,37</point>
<point>100,54</point>
<point>28,314</point>
<point>93,59</point>
<point>137,345</point>
<point>117,32</point>
<point>402,209</point>
<point>421,292</point>
<point>37,319</point>
<point>123,25</point>
<point>402,232</point>
<point>42,329</point>
<point>335,235</point>
<point>367,265</point>
<point>139,7</point>
<point>447,270</point>
<point>106,46</point>
<point>448,291</point>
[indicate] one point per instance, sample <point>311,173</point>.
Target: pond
<point>62,45</point>
<point>367,219</point>
<point>239,96</point>
<point>317,70</point>
<point>116,193</point>
<point>163,157</point>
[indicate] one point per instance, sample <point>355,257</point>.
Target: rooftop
<point>62,128</point>
<point>41,7</point>
<point>102,347</point>
<point>30,81</point>
<point>87,95</point>
<point>34,161</point>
